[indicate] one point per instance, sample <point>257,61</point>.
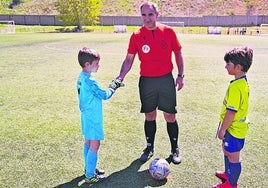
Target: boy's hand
<point>115,84</point>
<point>221,134</point>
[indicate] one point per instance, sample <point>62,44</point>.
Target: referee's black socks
<point>173,133</point>
<point>150,130</point>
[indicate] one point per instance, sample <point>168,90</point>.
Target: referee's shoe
<point>175,156</point>
<point>147,154</point>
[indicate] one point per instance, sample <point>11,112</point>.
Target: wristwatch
<point>181,75</point>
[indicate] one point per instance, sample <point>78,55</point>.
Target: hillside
<point>166,8</point>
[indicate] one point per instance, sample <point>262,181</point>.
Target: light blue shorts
<point>232,144</point>
<point>91,129</point>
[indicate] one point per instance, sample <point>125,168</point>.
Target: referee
<point>154,43</point>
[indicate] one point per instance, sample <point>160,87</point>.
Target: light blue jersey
<point>90,96</point>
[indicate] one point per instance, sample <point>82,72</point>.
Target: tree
<point>14,3</point>
<point>79,12</point>
<point>250,5</point>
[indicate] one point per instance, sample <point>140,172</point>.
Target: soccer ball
<point>159,169</point>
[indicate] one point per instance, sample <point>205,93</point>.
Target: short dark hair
<point>240,55</point>
<point>149,3</point>
<point>87,55</point>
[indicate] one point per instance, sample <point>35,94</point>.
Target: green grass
<point>40,138</point>
<point>110,29</point>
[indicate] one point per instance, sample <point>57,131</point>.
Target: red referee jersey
<point>154,48</point>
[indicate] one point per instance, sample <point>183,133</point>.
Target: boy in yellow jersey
<point>233,119</point>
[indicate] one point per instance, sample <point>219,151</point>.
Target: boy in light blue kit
<point>233,119</point>
<point>90,96</point>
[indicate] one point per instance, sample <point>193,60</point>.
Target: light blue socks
<point>91,163</point>
<point>86,148</point>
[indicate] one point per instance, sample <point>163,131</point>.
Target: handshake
<point>116,83</point>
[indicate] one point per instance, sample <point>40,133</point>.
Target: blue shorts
<point>232,144</point>
<point>91,128</point>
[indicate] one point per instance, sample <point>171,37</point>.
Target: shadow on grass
<point>126,178</point>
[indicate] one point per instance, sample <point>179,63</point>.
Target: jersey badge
<point>146,49</point>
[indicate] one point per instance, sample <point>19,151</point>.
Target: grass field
<point>40,138</point>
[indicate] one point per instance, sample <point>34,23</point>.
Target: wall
<point>31,19</point>
<point>136,20</point>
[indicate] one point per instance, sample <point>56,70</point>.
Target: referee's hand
<point>179,83</point>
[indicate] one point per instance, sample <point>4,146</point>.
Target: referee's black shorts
<point>158,92</point>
